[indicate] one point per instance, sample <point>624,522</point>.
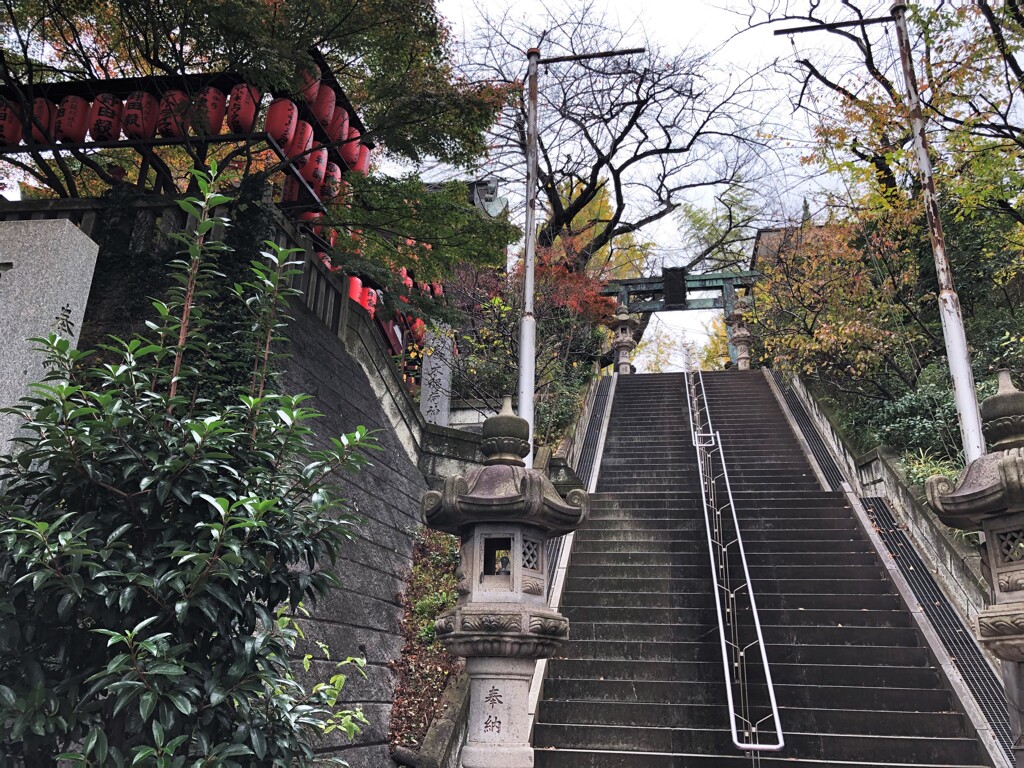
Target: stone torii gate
<point>670,292</point>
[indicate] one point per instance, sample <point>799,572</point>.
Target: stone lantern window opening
<point>496,569</point>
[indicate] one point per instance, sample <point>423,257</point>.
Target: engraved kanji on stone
<point>493,697</point>
<point>492,725</point>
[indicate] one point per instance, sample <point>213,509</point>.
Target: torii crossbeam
<point>671,291</point>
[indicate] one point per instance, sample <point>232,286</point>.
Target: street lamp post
<point>949,304</point>
<point>528,323</point>
<point>957,355</point>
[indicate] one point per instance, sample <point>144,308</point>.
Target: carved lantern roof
<point>504,490</point>
<point>992,485</point>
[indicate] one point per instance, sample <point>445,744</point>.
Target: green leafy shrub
<point>153,540</point>
<point>919,466</point>
<point>922,419</point>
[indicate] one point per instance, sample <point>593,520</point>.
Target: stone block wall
<point>363,617</point>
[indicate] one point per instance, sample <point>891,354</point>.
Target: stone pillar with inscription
<point>436,378</point>
<point>501,622</point>
<point>989,497</point>
<point>622,326</point>
<point>45,275</point>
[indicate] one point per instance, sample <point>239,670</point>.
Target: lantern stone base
<point>498,734</point>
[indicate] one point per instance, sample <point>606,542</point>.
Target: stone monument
<point>45,274</point>
<point>501,622</point>
<point>436,378</point>
<point>990,497</point>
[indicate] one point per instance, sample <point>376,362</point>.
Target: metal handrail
<point>737,648</point>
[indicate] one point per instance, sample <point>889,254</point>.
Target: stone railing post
<point>990,497</point>
<point>501,622</point>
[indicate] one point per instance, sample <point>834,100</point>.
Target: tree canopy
<point>852,302</point>
<point>648,131</point>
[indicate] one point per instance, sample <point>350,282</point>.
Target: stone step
<point>778,635</point>
<point>803,696</point>
<point>770,617</point>
<point>551,757</point>
<point>687,527</point>
<point>711,671</point>
<point>758,573</point>
<point>705,599</point>
<point>773,540</point>
<point>840,721</point>
<point>685,740</point>
<point>710,650</point>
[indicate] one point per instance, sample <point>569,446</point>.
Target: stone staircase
<point>641,685</point>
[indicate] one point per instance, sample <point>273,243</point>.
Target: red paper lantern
<point>141,112</point>
<point>369,301</point>
<point>11,128</point>
<point>350,149</point>
<point>437,289</point>
<point>211,105</point>
<point>338,129</point>
<point>301,142</point>
<point>332,181</point>
<point>105,119</point>
<point>363,160</point>
<point>315,166</point>
<point>282,115</point>
<point>242,109</point>
<point>172,122</point>
<point>324,106</point>
<point>72,120</point>
<point>355,289</point>
<point>309,78</point>
<point>418,330</point>
<point>44,113</point>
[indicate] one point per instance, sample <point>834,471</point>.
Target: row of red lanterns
<point>142,116</point>
<point>368,298</point>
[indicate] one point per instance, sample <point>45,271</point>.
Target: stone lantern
<point>622,326</point>
<point>741,339</point>
<point>501,622</point>
<point>990,497</point>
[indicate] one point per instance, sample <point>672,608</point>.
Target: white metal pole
<point>528,324</point>
<point>949,304</point>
